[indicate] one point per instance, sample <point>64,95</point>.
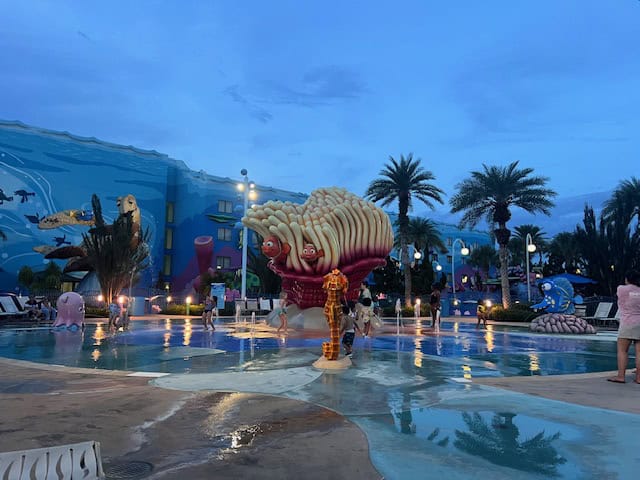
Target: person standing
<point>348,328</point>
<point>629,330</point>
<point>435,306</point>
<point>207,313</point>
<point>364,292</point>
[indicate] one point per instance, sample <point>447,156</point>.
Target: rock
<point>560,323</point>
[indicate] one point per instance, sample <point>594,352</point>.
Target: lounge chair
<point>612,322</point>
<point>78,460</point>
<point>265,305</point>
<point>602,312</point>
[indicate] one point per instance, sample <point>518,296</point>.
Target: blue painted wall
<point>63,171</point>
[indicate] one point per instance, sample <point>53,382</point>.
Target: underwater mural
<point>332,229</point>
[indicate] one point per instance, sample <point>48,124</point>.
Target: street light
<point>529,247</point>
<point>463,251</point>
<point>247,188</point>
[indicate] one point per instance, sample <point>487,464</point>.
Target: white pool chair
<point>602,312</point>
<point>66,462</point>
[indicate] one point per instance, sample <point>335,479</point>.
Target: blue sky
<point>310,94</point>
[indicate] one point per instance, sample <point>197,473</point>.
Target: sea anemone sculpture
<point>332,229</point>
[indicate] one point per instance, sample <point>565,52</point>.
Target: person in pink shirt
<point>629,331</point>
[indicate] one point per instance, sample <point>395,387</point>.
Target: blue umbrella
<point>578,279</point>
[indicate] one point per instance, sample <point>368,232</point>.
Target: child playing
<point>282,312</point>
<point>481,312</point>
<point>348,328</point>
<point>114,314</point>
<point>207,314</point>
<point>366,312</point>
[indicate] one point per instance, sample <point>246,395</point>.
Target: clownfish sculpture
<point>310,253</point>
<point>276,250</point>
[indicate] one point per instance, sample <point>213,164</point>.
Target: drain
<point>129,470</point>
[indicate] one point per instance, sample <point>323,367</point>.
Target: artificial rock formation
<point>560,323</point>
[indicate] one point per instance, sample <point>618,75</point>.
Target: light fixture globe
<point>464,251</point>
<point>531,248</point>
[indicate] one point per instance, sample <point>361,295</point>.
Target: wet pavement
<point>388,416</point>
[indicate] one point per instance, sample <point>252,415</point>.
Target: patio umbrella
<point>577,279</point>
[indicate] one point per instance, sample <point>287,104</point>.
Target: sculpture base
<point>341,364</point>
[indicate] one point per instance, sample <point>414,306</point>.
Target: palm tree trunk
<point>503,252</point>
<point>407,274</point>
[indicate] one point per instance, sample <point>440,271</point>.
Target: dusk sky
<point>307,94</point>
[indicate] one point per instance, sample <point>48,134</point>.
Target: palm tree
<point>563,250</point>
<point>402,180</point>
<point>483,257</point>
<point>538,238</point>
<point>424,235</point>
<point>624,203</point>
<point>111,254</point>
<point>608,248</point>
<point>490,194</point>
<point>499,444</point>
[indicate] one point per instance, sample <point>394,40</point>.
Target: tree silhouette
<point>491,194</point>
<point>499,444</point>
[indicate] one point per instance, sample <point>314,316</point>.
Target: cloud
<point>324,85</point>
<point>256,111</point>
<point>540,89</point>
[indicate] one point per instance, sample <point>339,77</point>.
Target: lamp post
<point>463,251</point>
<point>529,247</point>
<point>247,188</point>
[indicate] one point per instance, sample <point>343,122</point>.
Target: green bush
<point>517,313</point>
<point>96,312</point>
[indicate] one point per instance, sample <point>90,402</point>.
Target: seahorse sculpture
<point>335,283</point>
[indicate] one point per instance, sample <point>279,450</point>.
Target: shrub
<point>181,309</point>
<point>517,313</point>
<point>96,312</point>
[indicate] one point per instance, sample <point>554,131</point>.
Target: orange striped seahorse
<point>335,283</point>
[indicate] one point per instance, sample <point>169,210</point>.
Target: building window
<point>449,242</point>
<point>166,266</point>
<point>225,206</point>
<point>434,257</point>
<point>449,278</point>
<point>170,212</point>
<point>449,258</point>
<point>223,262</point>
<point>224,234</point>
<point>168,238</point>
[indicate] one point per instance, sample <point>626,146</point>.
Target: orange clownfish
<point>310,253</point>
<point>276,250</point>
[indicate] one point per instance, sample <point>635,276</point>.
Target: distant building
<point>449,233</point>
<point>55,171</point>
